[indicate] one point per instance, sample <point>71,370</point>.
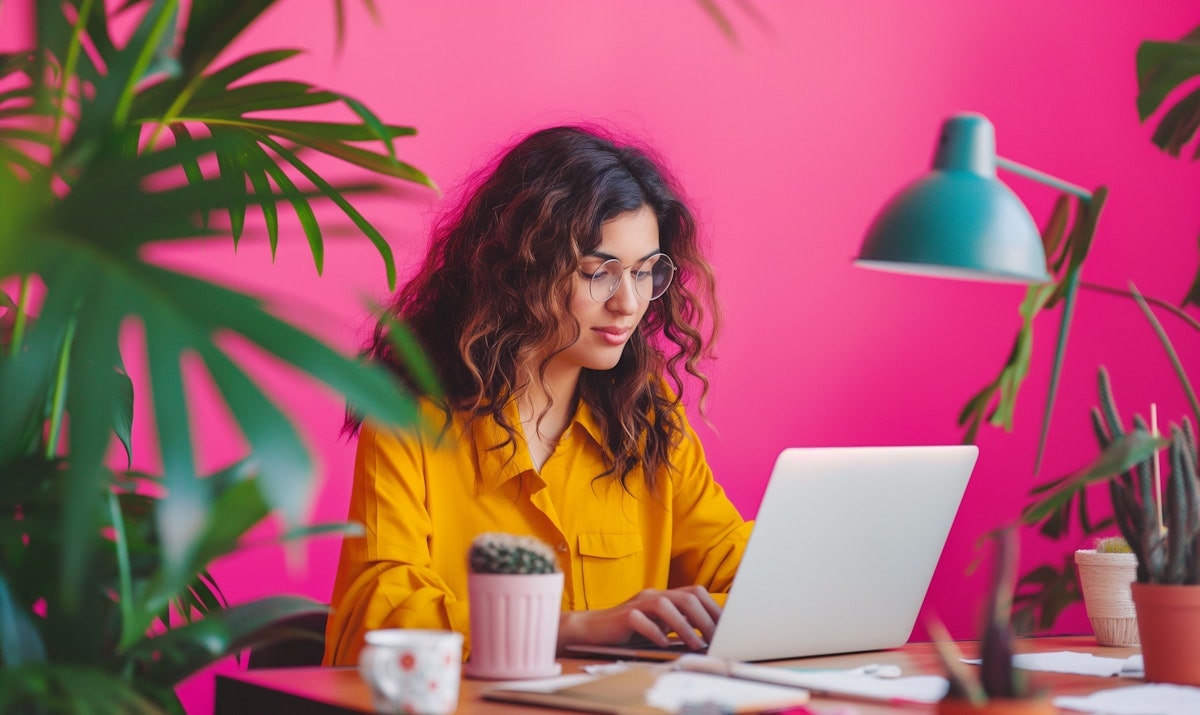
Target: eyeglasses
<point>651,277</point>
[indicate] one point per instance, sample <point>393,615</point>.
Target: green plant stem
<point>1169,307</point>
<point>58,398</point>
<point>68,71</point>
<point>121,113</point>
<point>172,113</point>
<point>1174,357</point>
<point>18,333</point>
<point>124,574</point>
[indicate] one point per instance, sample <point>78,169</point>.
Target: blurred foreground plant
<point>109,145</point>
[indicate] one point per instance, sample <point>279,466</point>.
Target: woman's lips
<point>613,336</point>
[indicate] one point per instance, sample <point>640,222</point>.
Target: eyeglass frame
<point>592,276</point>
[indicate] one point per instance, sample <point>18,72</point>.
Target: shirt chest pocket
<point>614,567</point>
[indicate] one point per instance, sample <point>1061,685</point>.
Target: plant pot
<point>997,706</point>
<point>1104,579</point>
<point>514,625</point>
<point>1169,623</point>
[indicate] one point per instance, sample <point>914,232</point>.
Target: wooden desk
<point>339,691</point>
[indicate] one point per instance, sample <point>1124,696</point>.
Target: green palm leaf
<point>168,658</point>
<point>82,201</point>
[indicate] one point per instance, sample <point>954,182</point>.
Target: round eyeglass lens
<point>605,280</point>
<point>651,278</point>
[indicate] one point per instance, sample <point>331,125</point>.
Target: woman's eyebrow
<point>609,256</point>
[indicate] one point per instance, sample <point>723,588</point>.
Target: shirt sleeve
<point>385,579</point>
<point>709,535</point>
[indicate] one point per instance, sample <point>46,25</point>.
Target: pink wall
<point>788,144</point>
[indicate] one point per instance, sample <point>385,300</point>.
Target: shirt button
<point>562,547</point>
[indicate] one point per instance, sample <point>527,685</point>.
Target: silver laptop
<point>843,550</point>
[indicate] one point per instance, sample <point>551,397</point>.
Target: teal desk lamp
<point>959,220</point>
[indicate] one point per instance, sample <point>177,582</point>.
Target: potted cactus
<point>515,589</point>
<point>1166,595</point>
<point>1162,531</point>
<point>1105,575</point>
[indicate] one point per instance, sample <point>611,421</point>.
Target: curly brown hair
<point>495,287</point>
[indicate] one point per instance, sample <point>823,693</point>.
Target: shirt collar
<point>585,418</point>
<point>497,466</point>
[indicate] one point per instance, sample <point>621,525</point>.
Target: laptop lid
<point>843,549</point>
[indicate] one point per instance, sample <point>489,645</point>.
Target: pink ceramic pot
<point>514,625</point>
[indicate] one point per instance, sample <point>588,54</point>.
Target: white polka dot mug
<point>410,671</point>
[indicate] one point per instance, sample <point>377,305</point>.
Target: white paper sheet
<point>675,689</point>
<point>911,689</point>
<point>1154,699</point>
<point>874,682</point>
<point>1076,663</point>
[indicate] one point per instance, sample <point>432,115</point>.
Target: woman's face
<point>605,327</point>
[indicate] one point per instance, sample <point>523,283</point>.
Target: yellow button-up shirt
<point>424,495</point>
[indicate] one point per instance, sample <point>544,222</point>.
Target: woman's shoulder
<point>428,419</point>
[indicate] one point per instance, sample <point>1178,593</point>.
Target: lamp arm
<point>1043,178</point>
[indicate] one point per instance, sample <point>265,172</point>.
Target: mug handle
<point>379,670</point>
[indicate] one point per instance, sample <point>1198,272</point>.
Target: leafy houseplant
<point>515,590</point>
<point>1162,68</point>
<point>108,145</point>
<point>1056,501</point>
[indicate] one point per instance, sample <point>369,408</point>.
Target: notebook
<point>843,549</point>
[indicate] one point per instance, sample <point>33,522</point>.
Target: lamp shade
<point>959,220</point>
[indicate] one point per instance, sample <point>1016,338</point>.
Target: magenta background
<point>787,144</point>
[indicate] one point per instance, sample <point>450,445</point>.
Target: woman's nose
<point>625,299</point>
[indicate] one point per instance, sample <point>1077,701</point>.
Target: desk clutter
<point>1147,699</point>
<point>696,681</point>
<point>1077,676</point>
<point>700,684</point>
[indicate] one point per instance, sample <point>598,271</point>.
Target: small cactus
<point>1113,545</point>
<point>501,553</point>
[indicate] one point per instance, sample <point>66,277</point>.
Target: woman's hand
<point>651,614</point>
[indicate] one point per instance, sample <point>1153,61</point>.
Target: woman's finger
<point>695,610</point>
<point>665,610</point>
<point>645,626</point>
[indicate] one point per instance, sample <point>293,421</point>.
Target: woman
<point>555,302</point>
